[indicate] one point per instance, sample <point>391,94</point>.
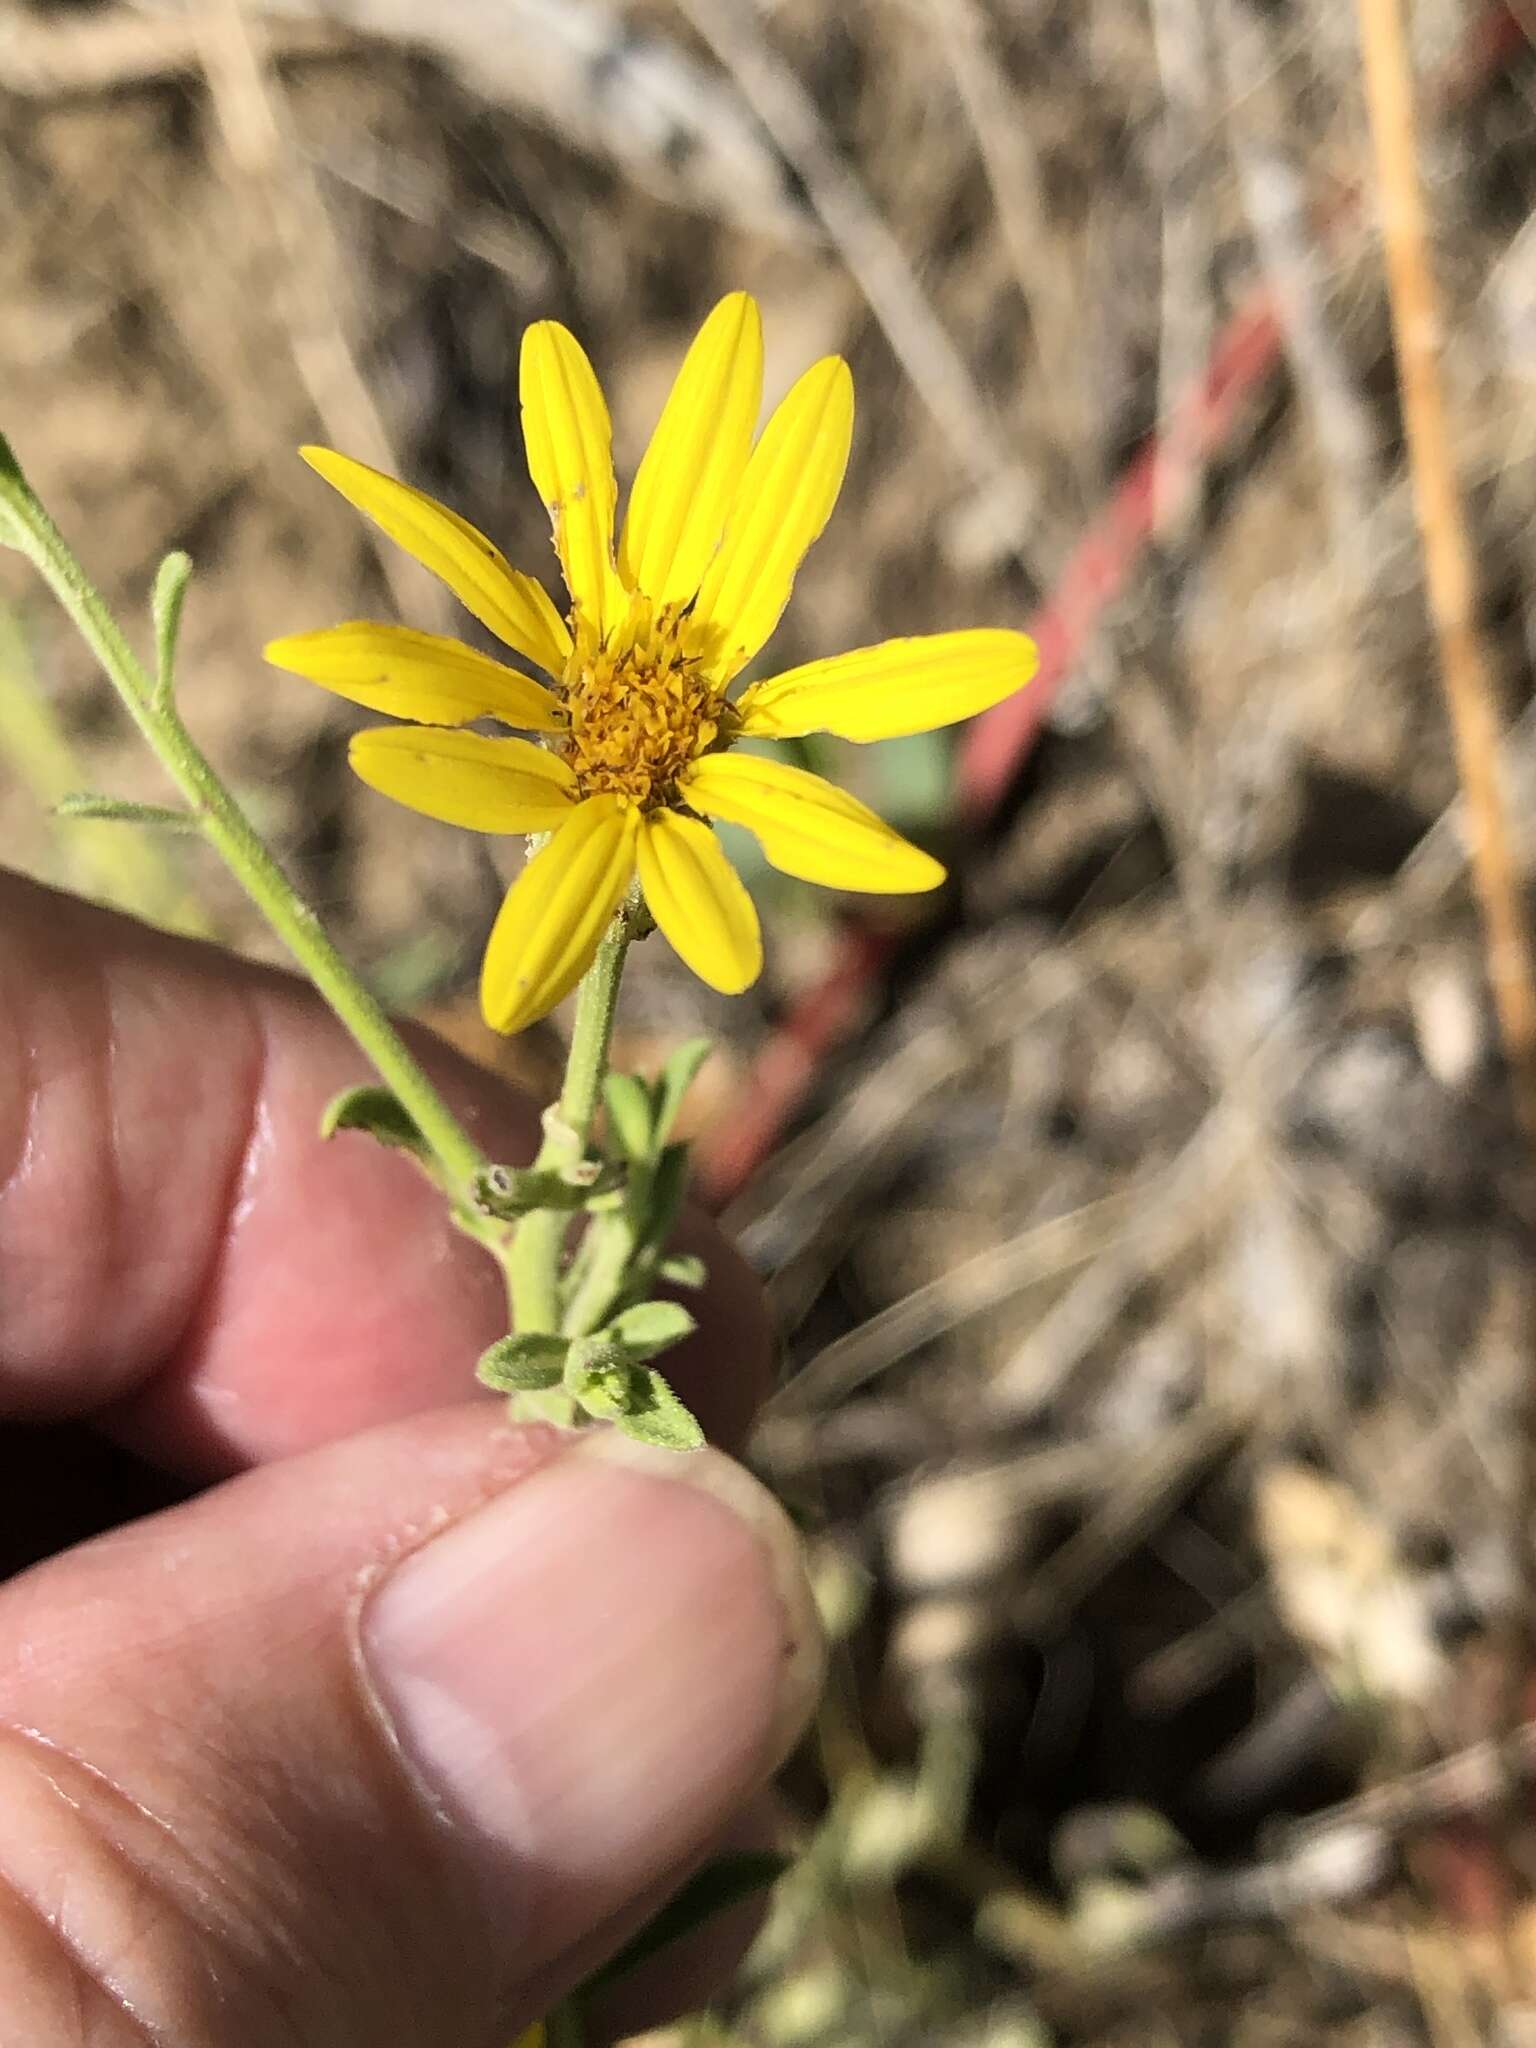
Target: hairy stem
<point>592,1300</point>
<point>26,526</point>
<point>534,1266</point>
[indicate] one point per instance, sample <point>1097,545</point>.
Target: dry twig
<point>1295,264</point>
<point>1464,669</point>
<point>584,71</point>
<point>793,1209</point>
<point>1192,1190</point>
<point>57,58</point>
<point>1180,38</point>
<point>1057,312</point>
<point>1144,1490</point>
<point>1448,564</point>
<point>289,216</point>
<point>1040,1252</point>
<point>858,230</point>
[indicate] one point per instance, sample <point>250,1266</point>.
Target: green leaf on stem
<point>638,1401</point>
<point>664,1197</point>
<point>122,810</point>
<point>606,1386</point>
<point>429,1120</point>
<point>165,604</point>
<point>683,1269</point>
<point>523,1364</point>
<point>10,468</point>
<point>677,1077</point>
<point>382,1116</point>
<point>663,1420</point>
<point>651,1327</point>
<point>12,485</point>
<point>629,1114</point>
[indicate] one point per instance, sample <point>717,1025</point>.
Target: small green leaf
<point>651,1327</point>
<point>13,485</point>
<point>122,810</point>
<point>714,1889</point>
<point>592,1356</point>
<point>677,1077</point>
<point>684,1269</point>
<point>15,492</point>
<point>664,1196</point>
<point>663,1420</point>
<point>607,1386</point>
<point>637,1400</point>
<point>523,1364</point>
<point>166,600</point>
<point>382,1116</point>
<point>629,1112</point>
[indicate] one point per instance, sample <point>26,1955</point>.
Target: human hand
<point>407,1718</point>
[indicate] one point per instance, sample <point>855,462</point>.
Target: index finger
<point>179,1248</point>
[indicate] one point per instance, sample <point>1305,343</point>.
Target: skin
<point>235,1402</point>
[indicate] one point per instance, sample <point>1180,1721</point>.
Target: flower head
<point>636,724</point>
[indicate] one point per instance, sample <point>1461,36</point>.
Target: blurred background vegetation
<point>1146,1219</point>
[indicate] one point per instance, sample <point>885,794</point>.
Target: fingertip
<point>547,1670</point>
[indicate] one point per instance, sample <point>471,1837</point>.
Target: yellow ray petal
<point>688,478</point>
<point>556,912</point>
<point>785,498</point>
<point>807,827</point>
<point>699,901</point>
<point>486,785</point>
<point>570,458</point>
<point>902,686</point>
<point>424,676</point>
<point>514,607</point>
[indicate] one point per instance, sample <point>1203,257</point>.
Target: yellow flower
<point>637,725</point>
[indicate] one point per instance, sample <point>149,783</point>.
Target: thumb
<point>359,1746</point>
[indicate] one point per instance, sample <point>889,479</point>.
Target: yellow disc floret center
<point>640,708</point>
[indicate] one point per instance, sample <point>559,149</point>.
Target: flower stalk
<point>533,1269</point>
<point>212,811</point>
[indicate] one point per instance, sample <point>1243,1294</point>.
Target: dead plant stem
<point>1469,694</point>
<point>1464,670</point>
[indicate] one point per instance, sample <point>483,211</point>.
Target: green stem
<point>24,522</point>
<point>592,1034</point>
<point>592,1300</point>
<point>534,1265</point>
